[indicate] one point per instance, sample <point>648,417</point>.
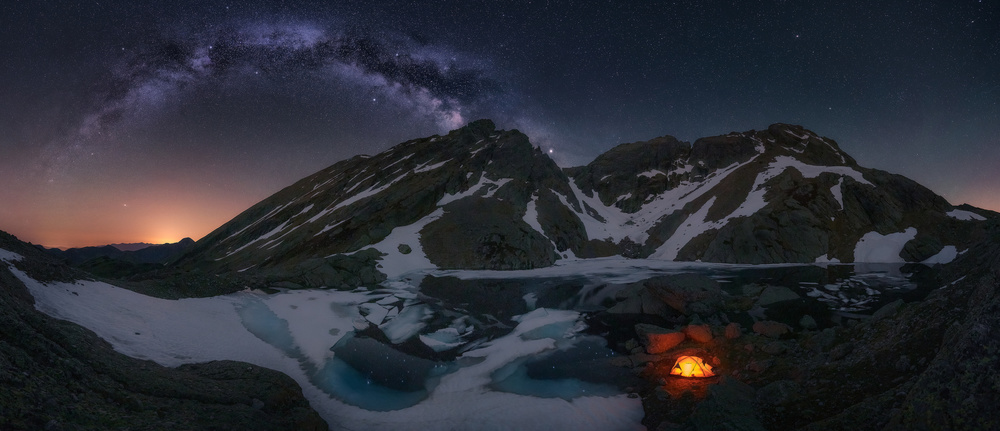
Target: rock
<point>631,304</point>
<point>840,351</point>
<point>822,340</point>
<point>778,393</point>
<point>637,299</point>
<point>404,248</point>
<point>699,333</point>
<point>771,329</point>
<point>485,234</point>
<point>903,363</point>
<point>887,310</point>
<point>772,294</point>
<point>285,285</point>
<point>656,339</point>
<point>774,348</point>
<point>729,405</point>
<point>661,393</point>
<point>759,366</point>
<point>920,248</point>
<point>686,293</point>
<point>807,322</point>
<point>256,404</point>
<point>752,289</point>
<point>733,331</point>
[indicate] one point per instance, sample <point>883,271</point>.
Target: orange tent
<point>691,366</point>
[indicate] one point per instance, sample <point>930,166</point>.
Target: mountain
<point>131,253</point>
<point>482,198</point>
<point>133,246</point>
<point>773,196</point>
<point>58,375</point>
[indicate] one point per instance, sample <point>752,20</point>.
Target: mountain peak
<point>482,126</point>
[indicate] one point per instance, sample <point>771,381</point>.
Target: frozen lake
<point>443,349</point>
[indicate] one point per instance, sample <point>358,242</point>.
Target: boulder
<point>772,294</point>
<point>686,293</point>
<point>699,333</point>
<point>656,339</point>
<point>887,310</point>
<point>771,329</point>
<point>774,348</point>
<point>807,322</point>
<point>733,331</point>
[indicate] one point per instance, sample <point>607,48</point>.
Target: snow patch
<point>619,225</point>
<point>483,182</point>
<point>425,168</point>
<point>812,171</point>
<point>328,227</point>
<point>651,173</point>
<point>877,248</point>
<point>266,216</point>
<point>499,183</point>
<point>531,216</point>
<point>965,215</point>
<point>395,263</point>
<point>304,210</point>
<point>260,238</point>
<point>693,226</point>
<point>354,198</point>
<point>838,193</point>
<point>825,259</point>
<point>9,256</point>
<point>946,255</point>
<point>397,161</point>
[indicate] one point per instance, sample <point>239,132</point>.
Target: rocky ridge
<point>482,198</point>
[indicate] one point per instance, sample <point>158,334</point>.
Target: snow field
<point>293,332</point>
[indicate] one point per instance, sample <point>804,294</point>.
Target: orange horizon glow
<point>160,215</point>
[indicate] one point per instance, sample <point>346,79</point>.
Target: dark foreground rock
<point>57,375</point>
<point>923,363</point>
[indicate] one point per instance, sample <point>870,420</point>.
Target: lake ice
<point>431,363</point>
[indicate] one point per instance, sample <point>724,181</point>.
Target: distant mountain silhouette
<point>142,253</point>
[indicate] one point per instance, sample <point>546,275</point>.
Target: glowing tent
<point>691,366</point>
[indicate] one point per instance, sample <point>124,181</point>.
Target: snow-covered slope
<point>454,201</point>
<point>480,198</point>
<point>778,195</point>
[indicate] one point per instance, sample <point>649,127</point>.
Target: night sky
<point>123,122</point>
